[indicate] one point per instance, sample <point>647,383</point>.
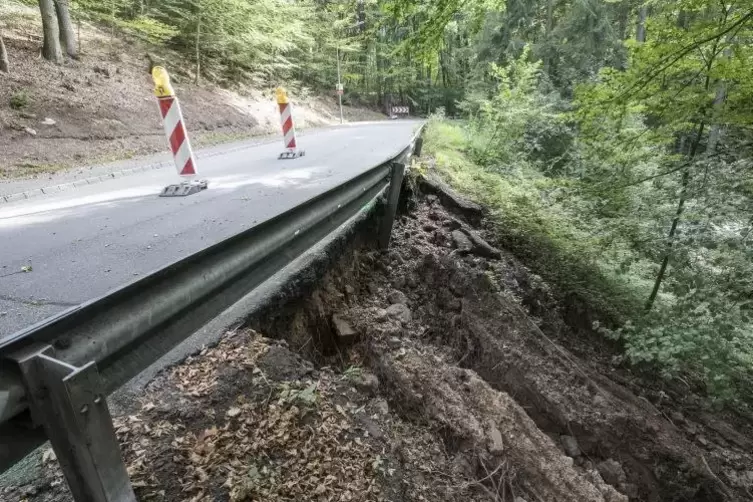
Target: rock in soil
<point>611,472</point>
<point>367,382</point>
<point>397,297</point>
<point>570,444</point>
<point>496,444</point>
<point>461,241</point>
<point>399,312</point>
<point>343,330</point>
<point>451,199</point>
<point>482,248</point>
<point>382,407</point>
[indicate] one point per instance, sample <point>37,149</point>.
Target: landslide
<point>467,340</point>
<point>441,369</point>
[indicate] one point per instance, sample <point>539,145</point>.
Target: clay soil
<point>441,370</point>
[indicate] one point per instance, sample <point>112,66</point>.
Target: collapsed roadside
<point>436,371</point>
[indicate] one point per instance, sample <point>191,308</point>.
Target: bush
<point>19,100</point>
<point>584,198</point>
<point>549,143</point>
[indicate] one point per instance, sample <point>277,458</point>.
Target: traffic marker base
<point>184,189</point>
<point>291,154</point>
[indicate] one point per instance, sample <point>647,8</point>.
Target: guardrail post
<point>69,403</point>
<point>419,146</point>
<point>388,218</point>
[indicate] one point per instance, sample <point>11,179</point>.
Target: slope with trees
<point>616,136</point>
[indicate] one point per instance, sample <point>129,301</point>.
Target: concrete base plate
<point>184,189</point>
<point>292,154</point>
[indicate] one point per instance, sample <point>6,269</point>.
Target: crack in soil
<point>36,303</point>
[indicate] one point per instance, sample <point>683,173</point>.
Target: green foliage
<point>148,28</point>
<point>269,42</point>
<point>517,122</point>
<point>19,100</point>
<point>533,217</point>
<point>353,373</point>
<point>306,397</point>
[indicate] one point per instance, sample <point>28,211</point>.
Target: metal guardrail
<point>58,372</point>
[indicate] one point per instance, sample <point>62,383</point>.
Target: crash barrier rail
<point>55,376</point>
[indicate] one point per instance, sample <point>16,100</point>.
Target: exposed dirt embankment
<point>101,107</point>
<point>467,340</point>
<point>439,370</point>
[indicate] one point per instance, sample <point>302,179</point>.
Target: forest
<point>611,139</point>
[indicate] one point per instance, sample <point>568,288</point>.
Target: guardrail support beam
<point>388,218</point>
<point>69,403</point>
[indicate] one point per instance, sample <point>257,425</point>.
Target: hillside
<point>101,108</point>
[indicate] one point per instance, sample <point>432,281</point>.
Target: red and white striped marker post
<point>288,126</point>
<point>175,130</point>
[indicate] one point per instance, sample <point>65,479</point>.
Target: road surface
<point>82,243</point>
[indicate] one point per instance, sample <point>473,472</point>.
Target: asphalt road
<point>84,242</point>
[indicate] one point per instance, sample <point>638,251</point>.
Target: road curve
<point>82,243</point>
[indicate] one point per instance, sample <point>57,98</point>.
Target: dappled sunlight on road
<point>279,179</point>
<point>35,211</point>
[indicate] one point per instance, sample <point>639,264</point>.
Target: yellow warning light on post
<point>162,86</point>
<point>282,96</point>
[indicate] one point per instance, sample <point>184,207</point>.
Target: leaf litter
<point>220,427</point>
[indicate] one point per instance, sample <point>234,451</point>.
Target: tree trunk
<point>67,36</point>
<point>716,130</point>
<point>547,35</point>
<point>198,50</point>
<point>676,221</point>
<point>640,32</point>
<point>112,25</point>
<point>4,64</point>
<point>51,44</point>
<point>624,19</point>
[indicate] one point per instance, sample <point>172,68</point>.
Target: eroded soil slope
<point>445,299</point>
